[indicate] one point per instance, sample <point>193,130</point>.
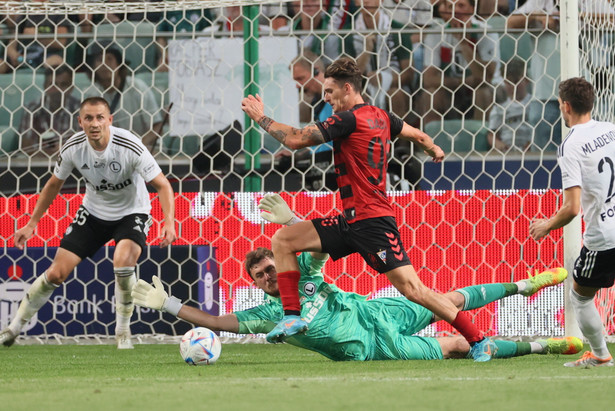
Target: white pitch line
<point>419,379</point>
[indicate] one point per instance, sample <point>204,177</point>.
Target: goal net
<point>183,67</point>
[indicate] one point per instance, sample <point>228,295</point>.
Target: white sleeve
<point>488,49</point>
<point>496,117</point>
<point>431,50</point>
<point>147,166</point>
<point>570,167</point>
<point>64,166</point>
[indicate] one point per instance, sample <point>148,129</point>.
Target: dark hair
<point>514,70</point>
<point>58,70</point>
<point>94,101</point>
<point>345,70</point>
<point>579,93</point>
<point>107,47</point>
<point>310,61</point>
<point>255,257</point>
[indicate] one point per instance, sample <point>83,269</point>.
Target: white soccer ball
<point>200,346</point>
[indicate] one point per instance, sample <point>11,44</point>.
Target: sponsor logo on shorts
<point>69,230</point>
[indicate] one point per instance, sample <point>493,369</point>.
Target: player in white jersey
<point>587,161</point>
<point>115,165</point>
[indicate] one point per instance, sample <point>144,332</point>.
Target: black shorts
<point>86,234</point>
<point>595,268</point>
<point>377,240</point>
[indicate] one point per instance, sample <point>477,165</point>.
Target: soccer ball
<point>200,346</point>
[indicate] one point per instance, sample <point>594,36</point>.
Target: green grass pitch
<point>282,377</point>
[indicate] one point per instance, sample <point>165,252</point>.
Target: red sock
<point>288,283</point>
<point>463,324</point>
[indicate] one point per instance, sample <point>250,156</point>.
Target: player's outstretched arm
<point>167,203</point>
<point>49,193</point>
<point>154,297</point>
<point>571,207</point>
<point>423,141</point>
<point>291,137</point>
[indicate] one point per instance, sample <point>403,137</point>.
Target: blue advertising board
<point>85,303</point>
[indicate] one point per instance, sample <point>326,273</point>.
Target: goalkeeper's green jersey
<point>346,326</point>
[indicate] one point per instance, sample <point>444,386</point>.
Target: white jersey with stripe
<point>115,177</point>
<point>587,159</point>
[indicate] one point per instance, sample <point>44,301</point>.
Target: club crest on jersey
<point>309,288</point>
<point>115,166</point>
<point>382,254</point>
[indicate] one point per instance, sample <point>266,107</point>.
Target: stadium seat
<point>458,135</point>
<point>137,40</point>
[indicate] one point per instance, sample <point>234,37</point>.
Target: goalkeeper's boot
<point>7,337</point>
<point>124,341</point>
<point>547,278</point>
<point>287,327</point>
<point>483,350</point>
<point>589,360</point>
<point>566,345</point>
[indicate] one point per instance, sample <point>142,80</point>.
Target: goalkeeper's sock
<point>125,279</point>
<point>466,328</point>
<point>590,323</point>
<point>288,283</point>
<point>507,349</point>
<point>478,296</point>
<point>37,295</point>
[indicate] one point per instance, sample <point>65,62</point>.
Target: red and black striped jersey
<point>362,145</point>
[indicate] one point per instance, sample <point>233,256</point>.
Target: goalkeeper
<point>346,326</point>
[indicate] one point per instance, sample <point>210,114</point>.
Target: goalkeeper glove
<point>155,297</point>
<point>275,210</point>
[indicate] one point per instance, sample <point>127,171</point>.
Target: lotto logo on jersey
<point>106,186</point>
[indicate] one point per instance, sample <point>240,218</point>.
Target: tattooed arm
<point>291,137</point>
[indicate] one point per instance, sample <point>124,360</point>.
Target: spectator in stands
<point>310,15</point>
<point>383,57</point>
<point>544,71</point>
<point>508,120</point>
<point>179,21</point>
<point>49,121</point>
<point>308,71</point>
<point>4,65</point>
<point>461,67</point>
<point>274,15</point>
<point>132,103</point>
<point>33,52</point>
<point>230,20</point>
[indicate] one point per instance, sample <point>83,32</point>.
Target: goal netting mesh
<point>183,67</point>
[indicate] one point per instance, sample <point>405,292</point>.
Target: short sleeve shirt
<point>115,178</point>
<point>587,160</point>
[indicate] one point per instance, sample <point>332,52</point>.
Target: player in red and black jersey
<point>361,136</point>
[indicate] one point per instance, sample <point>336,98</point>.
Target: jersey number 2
<point>608,161</point>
